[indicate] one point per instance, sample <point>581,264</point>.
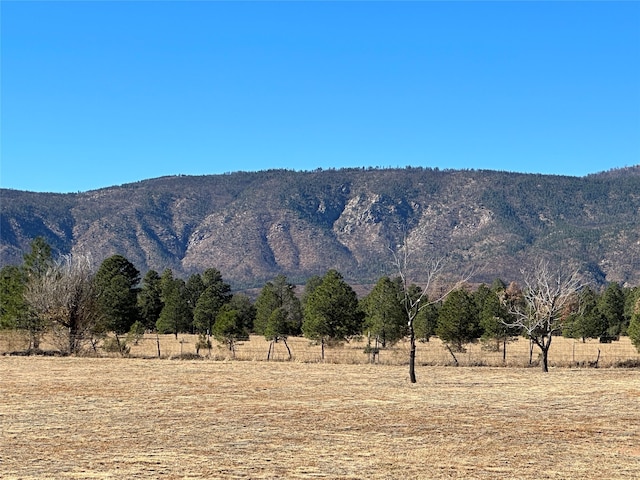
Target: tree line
<point>78,305</point>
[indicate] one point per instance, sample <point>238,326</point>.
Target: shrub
<point>115,345</point>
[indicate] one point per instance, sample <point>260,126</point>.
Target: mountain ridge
<point>255,225</point>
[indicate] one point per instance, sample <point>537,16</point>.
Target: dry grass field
<point>130,418</point>
<point>564,352</point>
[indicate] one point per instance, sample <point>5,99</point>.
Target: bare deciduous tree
<point>65,297</point>
<point>413,304</point>
<point>548,296</point>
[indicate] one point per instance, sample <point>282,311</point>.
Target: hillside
<point>253,226</point>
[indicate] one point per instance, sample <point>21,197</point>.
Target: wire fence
<point>563,352</point>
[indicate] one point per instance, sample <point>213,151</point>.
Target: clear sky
<point>104,93</point>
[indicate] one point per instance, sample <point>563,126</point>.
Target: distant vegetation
<point>110,307</point>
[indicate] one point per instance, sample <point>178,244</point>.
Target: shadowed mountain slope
<point>252,226</point>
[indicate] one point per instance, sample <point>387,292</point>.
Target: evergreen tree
<point>193,289</point>
<point>498,285</point>
<point>458,321</point>
<point>631,296</point>
<point>312,283</point>
<point>150,299</point>
<point>216,293</point>
<point>117,287</point>
<point>278,313</point>
<point>611,305</point>
<point>175,316</point>
<point>494,318</point>
<point>16,311</point>
<point>278,294</point>
<point>241,303</point>
<point>634,325</point>
<point>228,328</point>
<point>331,312</point>
<point>480,296</point>
<point>276,329</point>
<point>12,304</point>
<point>425,322</point>
<point>588,321</point>
<point>207,308</point>
<point>39,260</point>
<point>385,318</point>
<point>211,277</point>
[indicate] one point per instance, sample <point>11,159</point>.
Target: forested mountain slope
<point>252,226</point>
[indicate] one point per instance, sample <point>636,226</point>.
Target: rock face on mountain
<point>253,226</point>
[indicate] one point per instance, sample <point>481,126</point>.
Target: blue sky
<point>104,93</point>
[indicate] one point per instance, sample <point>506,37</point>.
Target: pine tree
<point>206,310</point>
<point>242,304</point>
<point>611,305</point>
<point>587,321</point>
<point>216,293</point>
<point>150,299</point>
<point>193,289</point>
<point>332,313</point>
<point>39,260</point>
<point>229,329</point>
<point>278,313</point>
<point>426,320</point>
<point>458,321</point>
<point>176,315</point>
<point>117,287</point>
<point>385,318</point>
<point>634,325</point>
<point>12,305</point>
<point>37,263</point>
<point>494,317</point>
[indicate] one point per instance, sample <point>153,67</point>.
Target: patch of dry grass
<point>136,418</point>
<point>564,352</point>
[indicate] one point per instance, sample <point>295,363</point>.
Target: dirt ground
<point>175,419</point>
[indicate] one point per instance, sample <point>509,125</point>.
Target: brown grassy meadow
<point>564,352</point>
<point>177,419</point>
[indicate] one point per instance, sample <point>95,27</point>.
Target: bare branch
<point>64,296</point>
<point>414,304</point>
<point>547,297</point>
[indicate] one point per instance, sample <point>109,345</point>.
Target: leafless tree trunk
<point>504,350</point>
<point>272,347</point>
<point>548,297</point>
<point>530,351</point>
<point>413,305</point>
<point>284,340</point>
<point>455,360</point>
<point>66,298</point>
